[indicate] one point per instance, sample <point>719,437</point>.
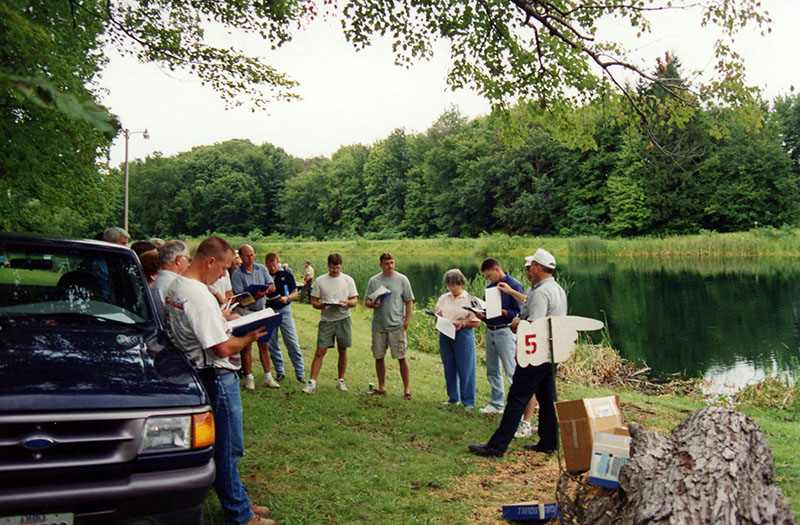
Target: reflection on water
<point>731,320</point>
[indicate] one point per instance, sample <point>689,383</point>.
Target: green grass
<point>29,277</point>
<point>757,242</point>
<point>345,457</point>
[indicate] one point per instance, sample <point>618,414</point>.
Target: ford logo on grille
<point>39,443</point>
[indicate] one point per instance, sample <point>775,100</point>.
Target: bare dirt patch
<point>519,476</point>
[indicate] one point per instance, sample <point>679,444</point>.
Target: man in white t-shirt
<point>195,325</point>
<point>334,294</point>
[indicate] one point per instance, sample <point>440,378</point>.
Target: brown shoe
<point>258,510</point>
<point>258,520</point>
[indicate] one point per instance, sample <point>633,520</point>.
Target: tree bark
<point>714,468</point>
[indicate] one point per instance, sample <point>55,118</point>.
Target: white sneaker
<point>249,383</point>
<point>311,387</point>
<point>523,430</point>
<point>340,385</point>
<point>269,382</point>
<point>490,409</point>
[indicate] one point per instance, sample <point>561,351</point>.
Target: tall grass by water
<point>756,242</point>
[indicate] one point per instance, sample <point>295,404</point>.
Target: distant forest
<point>607,169</point>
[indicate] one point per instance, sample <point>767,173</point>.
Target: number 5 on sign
<point>533,338</point>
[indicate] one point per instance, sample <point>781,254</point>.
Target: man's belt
<point>223,371</point>
<point>497,326</point>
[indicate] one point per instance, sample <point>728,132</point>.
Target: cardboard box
<point>611,450</point>
<point>530,511</point>
<point>578,420</point>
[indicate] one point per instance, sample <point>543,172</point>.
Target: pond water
<point>729,320</point>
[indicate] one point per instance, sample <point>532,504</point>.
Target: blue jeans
<point>458,358</point>
<point>229,448</point>
<point>289,332</point>
<point>501,349</point>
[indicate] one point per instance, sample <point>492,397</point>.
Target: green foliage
<point>235,187</point>
<point>51,133</point>
<point>787,117</point>
<point>463,179</point>
<point>173,33</point>
<point>546,51</point>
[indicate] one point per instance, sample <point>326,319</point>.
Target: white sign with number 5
<point>533,338</point>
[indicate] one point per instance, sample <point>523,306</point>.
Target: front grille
<point>34,444</point>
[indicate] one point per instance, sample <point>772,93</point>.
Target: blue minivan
<point>101,419</point>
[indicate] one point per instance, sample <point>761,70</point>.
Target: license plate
<point>64,518</point>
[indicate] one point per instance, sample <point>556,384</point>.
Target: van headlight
<point>176,433</point>
<point>166,434</point>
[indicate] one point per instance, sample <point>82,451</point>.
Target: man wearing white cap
<point>544,298</point>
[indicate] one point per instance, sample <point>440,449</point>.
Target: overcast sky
<point>354,97</point>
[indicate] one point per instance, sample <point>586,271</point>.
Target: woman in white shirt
<point>458,355</point>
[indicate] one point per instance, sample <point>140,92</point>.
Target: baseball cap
<point>542,257</point>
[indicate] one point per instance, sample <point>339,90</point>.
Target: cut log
<point>715,467</point>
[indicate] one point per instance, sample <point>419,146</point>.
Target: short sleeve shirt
<point>546,298</point>
<point>221,285</point>
<point>391,314</point>
<point>241,279</point>
<point>334,290</point>
<point>284,286</point>
<point>159,289</point>
<point>452,308</point>
<point>507,302</point>
<point>195,324</point>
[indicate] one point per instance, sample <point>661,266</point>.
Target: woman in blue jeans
<point>458,354</point>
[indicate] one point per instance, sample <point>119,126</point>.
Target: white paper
<point>476,304</point>
<point>494,305</point>
<point>446,327</point>
<point>377,293</point>
<point>249,318</point>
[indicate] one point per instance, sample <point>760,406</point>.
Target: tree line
<point>514,175</point>
<point>719,169</point>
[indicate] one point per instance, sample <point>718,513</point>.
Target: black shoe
<point>538,448</point>
<point>279,377</point>
<point>485,450</point>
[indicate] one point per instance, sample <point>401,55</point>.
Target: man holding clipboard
<point>253,278</point>
<point>390,296</point>
<point>195,324</point>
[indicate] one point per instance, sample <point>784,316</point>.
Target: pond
<point>729,320</point>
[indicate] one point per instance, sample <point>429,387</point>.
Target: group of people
<point>530,385</point>
<point>195,296</point>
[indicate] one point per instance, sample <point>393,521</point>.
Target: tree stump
<point>715,467</point>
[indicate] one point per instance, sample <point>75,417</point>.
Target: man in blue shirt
<point>285,292</point>
<point>545,298</point>
<point>249,273</point>
<point>501,343</point>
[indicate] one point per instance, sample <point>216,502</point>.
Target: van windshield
<point>80,283</point>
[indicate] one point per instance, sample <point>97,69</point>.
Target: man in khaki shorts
<point>390,317</point>
<point>334,293</point>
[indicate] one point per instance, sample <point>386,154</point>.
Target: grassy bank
<point>757,242</point>
<point>345,457</point>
